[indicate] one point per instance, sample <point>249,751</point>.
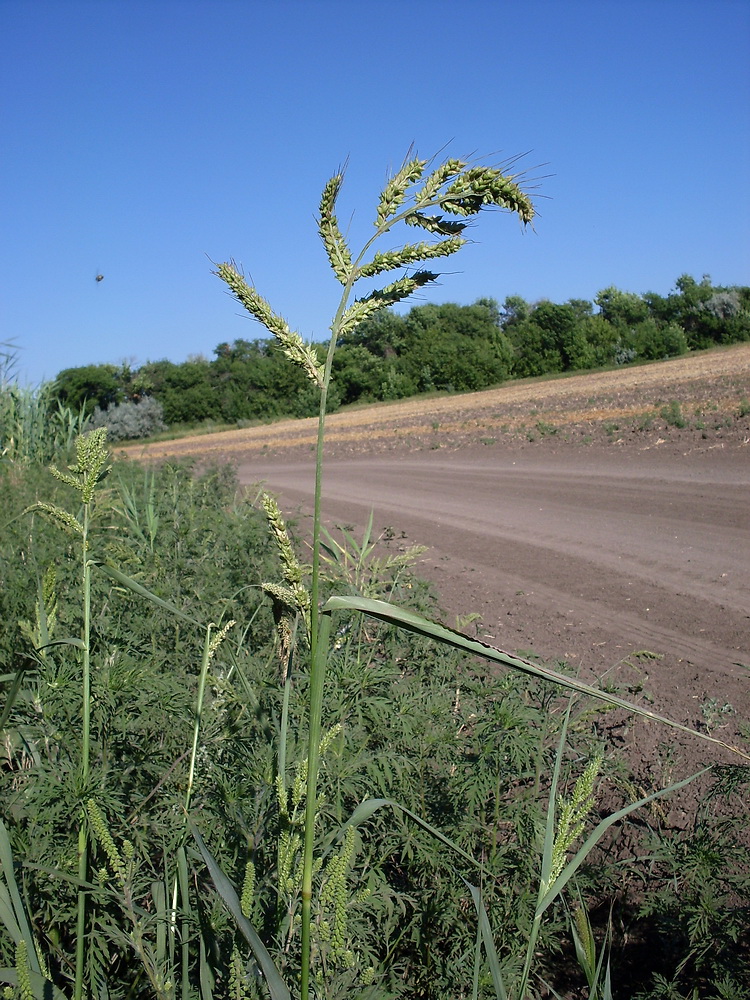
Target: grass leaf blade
<point>224,887</point>
<point>441,633</point>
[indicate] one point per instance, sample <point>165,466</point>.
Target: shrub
<point>130,420</point>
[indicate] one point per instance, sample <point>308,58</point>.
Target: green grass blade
<point>15,687</point>
<point>366,809</point>
<point>159,896</point>
<point>13,911</point>
<point>136,588</point>
<point>226,890</point>
<point>182,875</point>
<point>477,964</point>
<point>441,633</point>
<point>489,944</point>
<point>206,975</point>
<point>549,832</point>
<point>69,641</point>
<point>7,915</point>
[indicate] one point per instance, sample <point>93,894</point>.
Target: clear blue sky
<point>139,139</point>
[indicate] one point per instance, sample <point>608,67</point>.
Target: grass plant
<point>34,426</point>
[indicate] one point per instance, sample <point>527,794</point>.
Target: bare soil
<point>601,519</point>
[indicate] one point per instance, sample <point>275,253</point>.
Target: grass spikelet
<point>289,845</point>
<point>294,597</point>
<point>479,187</point>
<point>41,631</point>
<point>395,190</point>
<point>334,895</point>
<point>290,564</point>
<point>236,976</point>
<point>444,173</point>
<point>572,818</point>
<point>338,252</point>
<point>62,517</point>
<point>23,971</point>
<point>328,738</point>
<point>248,888</point>
<point>90,466</point>
<point>220,636</point>
<point>104,838</point>
<point>383,297</point>
<point>410,254</point>
<point>435,224</point>
<point>290,342</point>
<point>285,595</point>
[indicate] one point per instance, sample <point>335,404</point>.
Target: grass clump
<point>672,414</point>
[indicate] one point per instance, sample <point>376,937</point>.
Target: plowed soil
<point>602,519</point>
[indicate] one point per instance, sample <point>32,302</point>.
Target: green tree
<point>603,339</point>
<point>514,311</point>
<point>90,386</point>
<point>381,333</point>
<point>357,373</point>
<point>455,347</point>
<point>710,314</point>
<point>552,339</point>
<point>184,391</point>
<point>623,309</point>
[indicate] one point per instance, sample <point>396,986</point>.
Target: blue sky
<point>140,139</point>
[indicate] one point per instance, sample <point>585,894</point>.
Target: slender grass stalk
<point>210,645</point>
<point>454,188</point>
<point>460,190</point>
<point>205,659</point>
<point>84,476</point>
<point>83,852</point>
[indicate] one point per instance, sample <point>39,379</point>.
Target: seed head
<point>395,190</point>
<point>328,227</point>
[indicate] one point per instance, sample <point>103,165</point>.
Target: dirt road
<point>579,555</point>
<point>587,519</point>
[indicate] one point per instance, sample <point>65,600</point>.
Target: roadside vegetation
<point>235,769</point>
<point>388,355</point>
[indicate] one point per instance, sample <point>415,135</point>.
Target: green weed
<point>545,429</point>
<point>672,414</point>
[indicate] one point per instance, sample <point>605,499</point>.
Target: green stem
<point>198,715</point>
<point>284,725</point>
<point>191,773</point>
<point>320,629</point>
<point>319,632</point>
<point>83,854</point>
<point>317,680</point>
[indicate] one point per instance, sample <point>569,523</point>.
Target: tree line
<point>431,348</point>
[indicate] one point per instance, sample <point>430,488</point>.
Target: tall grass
<point>34,426</point>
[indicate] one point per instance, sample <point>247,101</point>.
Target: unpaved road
<point>586,556</point>
<point>578,517</point>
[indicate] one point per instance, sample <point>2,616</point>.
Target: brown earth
<point>602,519</point>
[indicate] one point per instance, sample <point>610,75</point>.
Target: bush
<point>131,420</point>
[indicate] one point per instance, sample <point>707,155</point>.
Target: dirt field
<point>599,519</point>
